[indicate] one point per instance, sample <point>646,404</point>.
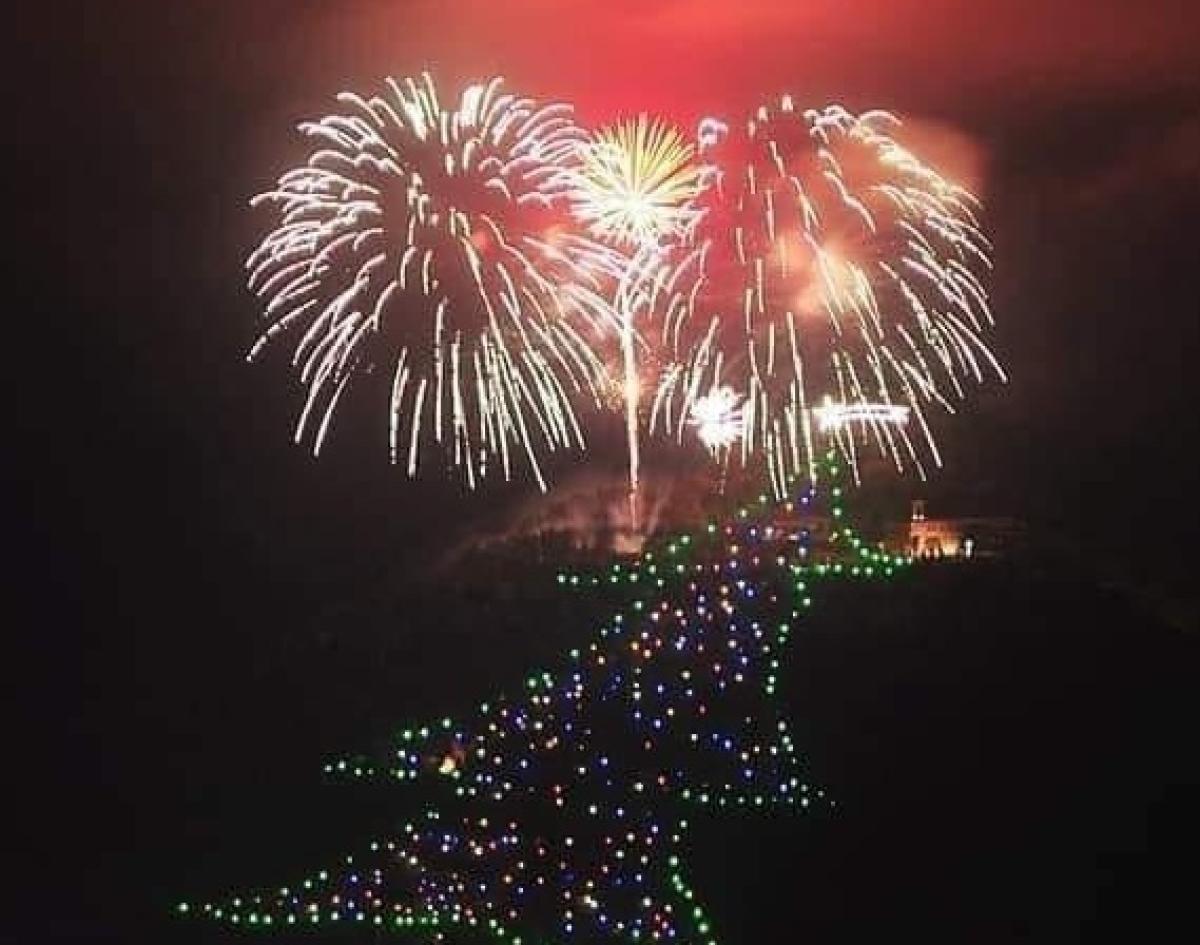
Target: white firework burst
<point>423,240</point>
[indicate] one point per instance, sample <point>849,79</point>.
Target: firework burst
<point>835,264</point>
<point>420,240</point>
<point>635,184</point>
<point>717,417</point>
<point>632,190</point>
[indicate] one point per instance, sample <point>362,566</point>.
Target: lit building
<point>960,537</point>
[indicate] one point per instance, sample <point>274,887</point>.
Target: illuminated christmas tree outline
<point>561,814</point>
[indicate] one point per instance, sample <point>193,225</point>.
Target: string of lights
<point>561,813</point>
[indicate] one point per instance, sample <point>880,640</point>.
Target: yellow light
<point>636,183</point>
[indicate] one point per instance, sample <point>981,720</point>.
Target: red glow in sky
<point>684,56</point>
<point>948,66</point>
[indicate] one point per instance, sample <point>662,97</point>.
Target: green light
<point>624,652</point>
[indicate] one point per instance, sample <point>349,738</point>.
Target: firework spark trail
<point>419,239</point>
<point>835,264</point>
<point>635,184</point>
<point>633,189</point>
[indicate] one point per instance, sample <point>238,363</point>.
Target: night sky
<point>145,134</point>
<point>161,505</point>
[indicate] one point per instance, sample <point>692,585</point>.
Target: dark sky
<point>162,465</point>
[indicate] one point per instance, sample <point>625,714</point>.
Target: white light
<point>717,417</point>
<point>832,416</point>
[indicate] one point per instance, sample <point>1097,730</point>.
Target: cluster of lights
<point>561,813</point>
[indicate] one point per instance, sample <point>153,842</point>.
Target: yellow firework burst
<point>635,184</point>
